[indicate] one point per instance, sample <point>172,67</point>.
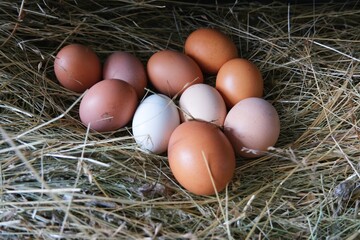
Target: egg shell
<point>77,67</point>
<point>210,48</point>
<point>195,147</point>
<point>171,72</point>
<point>253,124</point>
<point>238,79</point>
<point>108,105</point>
<point>154,120</point>
<point>202,102</point>
<point>127,67</point>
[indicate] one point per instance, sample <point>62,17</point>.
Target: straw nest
<point>59,180</point>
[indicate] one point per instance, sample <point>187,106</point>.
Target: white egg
<point>154,120</point>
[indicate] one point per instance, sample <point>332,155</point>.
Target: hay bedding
<point>60,180</point>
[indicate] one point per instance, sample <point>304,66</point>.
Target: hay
<point>59,180</point>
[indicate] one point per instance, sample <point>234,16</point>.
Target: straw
<point>59,180</point>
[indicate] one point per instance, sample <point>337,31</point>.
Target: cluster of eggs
<point>201,127</point>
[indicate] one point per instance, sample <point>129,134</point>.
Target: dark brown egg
<point>108,105</point>
<point>77,67</point>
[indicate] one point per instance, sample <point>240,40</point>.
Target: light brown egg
<point>171,72</point>
<point>108,105</point>
<point>210,48</point>
<point>252,126</point>
<point>77,67</point>
<point>126,67</point>
<point>238,79</point>
<point>198,152</point>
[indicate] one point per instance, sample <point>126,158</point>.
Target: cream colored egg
<point>202,102</point>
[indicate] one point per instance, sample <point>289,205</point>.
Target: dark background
<point>261,1</point>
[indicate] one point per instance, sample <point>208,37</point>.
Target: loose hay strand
<point>309,57</point>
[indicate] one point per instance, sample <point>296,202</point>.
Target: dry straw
<point>59,180</point>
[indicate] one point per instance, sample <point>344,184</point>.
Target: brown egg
<point>252,126</point>
<point>126,67</point>
<point>238,79</point>
<point>197,152</point>
<point>108,105</point>
<point>171,72</point>
<point>210,48</point>
<point>77,67</point>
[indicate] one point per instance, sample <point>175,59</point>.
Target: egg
<point>199,155</point>
<point>171,72</point>
<point>210,48</point>
<point>77,67</point>
<point>127,67</point>
<point>154,120</point>
<point>238,79</point>
<point>252,126</point>
<point>202,102</point>
<point>108,105</point>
